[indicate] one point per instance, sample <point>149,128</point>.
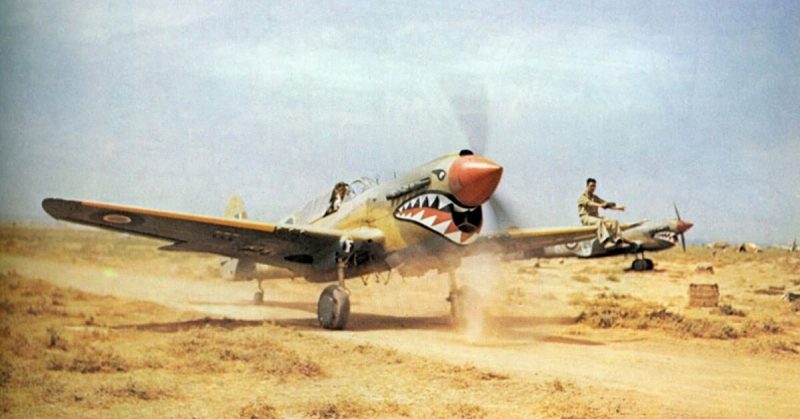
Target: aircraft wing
<point>295,247</point>
<point>524,240</point>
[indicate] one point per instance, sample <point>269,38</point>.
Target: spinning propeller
<point>469,101</point>
<point>682,226</point>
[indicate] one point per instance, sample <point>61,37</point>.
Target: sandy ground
<point>625,343</point>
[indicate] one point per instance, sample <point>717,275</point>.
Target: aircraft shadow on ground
<point>225,323</point>
<point>291,305</point>
<point>509,329</point>
<point>652,271</point>
<point>371,321</point>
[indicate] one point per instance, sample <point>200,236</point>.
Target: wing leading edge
<point>294,247</point>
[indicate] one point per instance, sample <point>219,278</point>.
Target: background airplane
<point>645,236</point>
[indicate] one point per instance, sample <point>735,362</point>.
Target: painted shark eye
<point>440,174</point>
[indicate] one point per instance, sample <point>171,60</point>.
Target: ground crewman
<point>589,204</point>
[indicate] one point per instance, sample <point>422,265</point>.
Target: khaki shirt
<point>583,205</point>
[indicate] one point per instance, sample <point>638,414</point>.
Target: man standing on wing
<point>608,231</point>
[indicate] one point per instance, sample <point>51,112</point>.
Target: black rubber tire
<point>333,307</point>
<point>639,265</point>
<point>258,298</point>
<point>648,265</point>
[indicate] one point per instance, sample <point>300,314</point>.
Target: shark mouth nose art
<point>442,215</point>
<point>667,236</point>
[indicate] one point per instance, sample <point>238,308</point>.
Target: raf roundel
<point>117,219</point>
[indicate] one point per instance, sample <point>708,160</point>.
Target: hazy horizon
<point>177,106</point>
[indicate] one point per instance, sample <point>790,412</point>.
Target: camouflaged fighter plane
<point>644,236</point>
<point>428,219</point>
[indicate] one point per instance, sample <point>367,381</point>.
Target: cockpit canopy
<point>317,207</point>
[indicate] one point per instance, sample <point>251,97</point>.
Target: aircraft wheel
<point>648,264</point>
<point>639,265</point>
<point>258,298</point>
<point>464,302</point>
<point>333,307</point>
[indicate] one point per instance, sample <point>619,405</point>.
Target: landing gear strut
<point>258,296</point>
<point>464,301</point>
<point>642,264</point>
<point>333,307</point>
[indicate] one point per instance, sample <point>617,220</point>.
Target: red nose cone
<point>473,179</point>
<point>683,226</point>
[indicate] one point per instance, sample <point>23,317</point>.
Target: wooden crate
<point>703,295</point>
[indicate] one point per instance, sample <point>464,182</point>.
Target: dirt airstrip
<point>97,324</point>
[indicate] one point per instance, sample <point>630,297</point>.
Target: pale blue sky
<point>177,105</point>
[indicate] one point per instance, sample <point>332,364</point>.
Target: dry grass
<point>75,353</point>
<point>66,352</point>
<point>624,311</point>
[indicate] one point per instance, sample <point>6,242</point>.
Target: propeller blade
<point>496,215</point>
<point>469,101</point>
<point>682,226</point>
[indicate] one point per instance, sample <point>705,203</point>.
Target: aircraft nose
<point>683,226</point>
<point>473,179</point>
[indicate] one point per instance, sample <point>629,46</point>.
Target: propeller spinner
<point>473,179</point>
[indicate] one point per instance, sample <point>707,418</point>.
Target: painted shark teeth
<point>435,201</point>
<point>435,212</point>
<point>666,236</point>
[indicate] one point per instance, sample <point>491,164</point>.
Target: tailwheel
<point>333,307</point>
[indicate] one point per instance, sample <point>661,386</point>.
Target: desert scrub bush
<point>258,410</point>
<point>556,386</point>
<point>728,310</point>
<point>86,361</point>
<point>785,346</point>
<point>581,278</point>
<point>777,346</point>
<point>463,410</point>
<point>768,326</point>
<point>346,407</point>
<point>213,350</point>
<point>616,310</point>
<point>286,364</point>
<point>135,390</point>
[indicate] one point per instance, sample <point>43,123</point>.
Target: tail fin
<point>230,268</point>
<point>235,208</point>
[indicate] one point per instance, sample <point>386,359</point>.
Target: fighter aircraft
<point>428,219</point>
<point>645,236</point>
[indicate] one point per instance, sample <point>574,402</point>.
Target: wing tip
<point>56,207</point>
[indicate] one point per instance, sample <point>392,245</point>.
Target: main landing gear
<point>464,301</point>
<point>642,264</point>
<point>333,307</point>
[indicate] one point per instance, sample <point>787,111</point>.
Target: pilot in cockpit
<point>337,197</point>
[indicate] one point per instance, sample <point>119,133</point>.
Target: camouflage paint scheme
<point>411,224</point>
<point>645,236</point>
